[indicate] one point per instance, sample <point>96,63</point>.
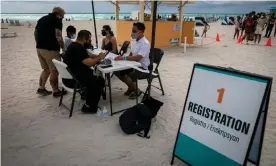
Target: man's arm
<point>91,62</point>
<point>59,38</point>
<point>92,55</point>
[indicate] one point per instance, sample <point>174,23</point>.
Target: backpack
<point>138,118</point>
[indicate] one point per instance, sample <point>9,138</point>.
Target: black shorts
<point>133,74</point>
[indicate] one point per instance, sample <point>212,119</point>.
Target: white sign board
<point>219,118</point>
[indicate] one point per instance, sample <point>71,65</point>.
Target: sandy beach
<point>36,132</point>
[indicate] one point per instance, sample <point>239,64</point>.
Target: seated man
<point>80,63</point>
<point>71,34</point>
<point>139,52</point>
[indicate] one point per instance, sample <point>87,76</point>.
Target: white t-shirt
<point>141,47</point>
<point>67,42</point>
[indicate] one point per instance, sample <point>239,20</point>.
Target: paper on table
<point>111,56</point>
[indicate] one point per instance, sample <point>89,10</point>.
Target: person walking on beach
<point>248,28</point>
<point>243,24</point>
<point>48,37</point>
<point>259,28</point>
<point>275,29</point>
<point>237,27</point>
<point>109,43</point>
<point>206,27</point>
<point>270,25</point>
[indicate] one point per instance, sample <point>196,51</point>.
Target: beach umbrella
<point>152,43</point>
<point>95,28</point>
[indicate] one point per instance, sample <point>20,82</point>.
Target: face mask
<point>73,36</point>
<point>103,33</point>
<point>134,35</point>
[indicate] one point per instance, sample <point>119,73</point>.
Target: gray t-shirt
<point>67,42</point>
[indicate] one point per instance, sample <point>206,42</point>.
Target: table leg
<point>110,95</point>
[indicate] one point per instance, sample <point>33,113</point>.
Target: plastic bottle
<point>99,112</point>
<point>105,112</point>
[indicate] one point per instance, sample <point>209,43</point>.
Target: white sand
<point>35,131</point>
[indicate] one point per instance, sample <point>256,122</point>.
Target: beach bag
<point>138,118</point>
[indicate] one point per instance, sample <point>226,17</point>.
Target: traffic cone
<point>239,40</point>
<point>217,38</point>
<point>268,43</point>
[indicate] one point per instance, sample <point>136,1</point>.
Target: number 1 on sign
<point>220,96</point>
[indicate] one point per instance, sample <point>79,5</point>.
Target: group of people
<point>253,25</point>
<point>49,43</point>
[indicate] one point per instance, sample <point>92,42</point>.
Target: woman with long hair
<point>109,43</point>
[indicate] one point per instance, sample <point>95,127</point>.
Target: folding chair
<point>157,56</point>
<point>124,48</point>
<point>65,73</point>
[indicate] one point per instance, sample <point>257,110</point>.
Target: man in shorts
<point>48,36</point>
<point>140,51</point>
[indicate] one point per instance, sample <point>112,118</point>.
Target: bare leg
<point>260,36</point>
<point>129,83</point>
<point>43,78</point>
<point>238,33</point>
<point>255,38</point>
<point>235,33</point>
<point>54,80</point>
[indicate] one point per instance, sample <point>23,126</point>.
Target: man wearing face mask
<point>48,37</point>
<point>80,63</point>
<point>139,52</point>
<point>71,34</point>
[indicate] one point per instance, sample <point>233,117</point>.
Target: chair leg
<point>160,82</point>
<point>61,97</point>
<point>145,94</point>
<point>73,102</point>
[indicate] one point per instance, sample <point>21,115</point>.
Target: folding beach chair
<point>124,48</point>
<point>157,57</point>
<point>65,73</point>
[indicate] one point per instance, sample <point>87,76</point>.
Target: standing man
<point>48,37</point>
<point>270,25</point>
<point>139,52</point>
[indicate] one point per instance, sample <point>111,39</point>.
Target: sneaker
<point>133,95</point>
<point>43,92</point>
<point>59,93</point>
<point>128,92</point>
<point>88,110</point>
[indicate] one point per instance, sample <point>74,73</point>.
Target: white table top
<point>118,66</point>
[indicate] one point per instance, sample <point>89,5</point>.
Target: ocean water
<point>102,16</point>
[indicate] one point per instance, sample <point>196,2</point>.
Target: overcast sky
<point>107,7</point>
